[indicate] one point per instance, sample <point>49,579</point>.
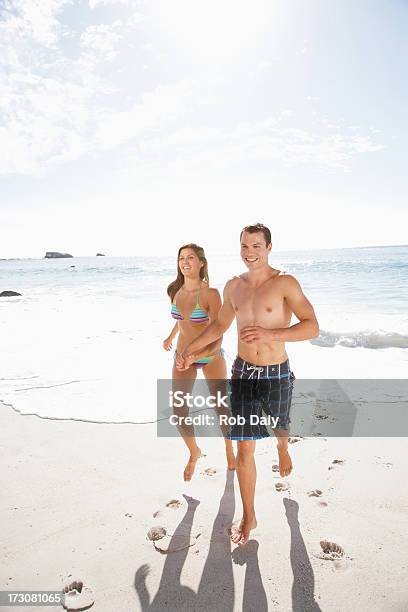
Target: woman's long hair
<point>176,284</point>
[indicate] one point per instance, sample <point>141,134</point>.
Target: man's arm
<point>217,327</point>
<point>307,328</point>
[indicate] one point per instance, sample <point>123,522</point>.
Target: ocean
<point>84,341</point>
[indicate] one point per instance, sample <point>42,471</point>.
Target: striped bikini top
<point>199,315</point>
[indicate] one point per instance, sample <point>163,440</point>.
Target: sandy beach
<point>154,154</point>
<point>79,500</point>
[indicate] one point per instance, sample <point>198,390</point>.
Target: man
<point>263,301</point>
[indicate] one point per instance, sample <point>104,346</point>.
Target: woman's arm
<point>167,343</point>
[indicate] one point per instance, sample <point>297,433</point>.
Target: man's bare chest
<point>261,300</point>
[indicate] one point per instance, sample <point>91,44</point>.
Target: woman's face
<point>189,263</point>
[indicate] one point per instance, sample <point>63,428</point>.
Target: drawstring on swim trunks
<point>258,369</point>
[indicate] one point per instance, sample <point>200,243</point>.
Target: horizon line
<point>374,246</point>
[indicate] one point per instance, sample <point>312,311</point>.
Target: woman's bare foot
<point>240,535</point>
<point>285,462</point>
<point>190,467</point>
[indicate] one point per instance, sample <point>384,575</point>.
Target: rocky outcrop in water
<point>8,293</point>
<point>55,254</point>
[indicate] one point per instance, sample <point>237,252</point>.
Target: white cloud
<point>50,102</point>
<point>247,148</point>
<point>57,105</point>
<point>362,144</point>
<point>94,3</point>
<point>35,19</point>
<point>102,40</point>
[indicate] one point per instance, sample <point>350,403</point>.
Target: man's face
<point>254,251</point>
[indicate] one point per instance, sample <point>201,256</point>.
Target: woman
<point>194,305</point>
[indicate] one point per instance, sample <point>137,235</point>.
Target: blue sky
<point>129,127</point>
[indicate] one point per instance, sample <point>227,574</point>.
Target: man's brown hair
<point>258,227</point>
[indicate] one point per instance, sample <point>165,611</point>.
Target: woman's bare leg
<point>184,381</point>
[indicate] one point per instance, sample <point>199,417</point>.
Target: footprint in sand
<point>78,596</point>
<point>281,486</point>
<point>386,463</point>
<point>315,493</point>
<point>209,472</point>
<point>177,542</point>
<point>170,543</point>
<point>275,467</point>
<point>331,550</point>
<point>173,504</point>
<point>336,462</point>
<point>156,533</point>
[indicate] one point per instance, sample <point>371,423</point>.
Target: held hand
<point>189,360</point>
<point>167,343</point>
<point>180,362</point>
<point>183,362</point>
<point>255,333</point>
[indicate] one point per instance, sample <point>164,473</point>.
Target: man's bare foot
<point>285,462</point>
<point>190,467</point>
<point>240,535</point>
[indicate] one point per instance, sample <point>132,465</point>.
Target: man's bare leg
<point>246,471</point>
<point>285,462</point>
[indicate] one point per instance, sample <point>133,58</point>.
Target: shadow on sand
<point>216,588</point>
<point>303,577</point>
